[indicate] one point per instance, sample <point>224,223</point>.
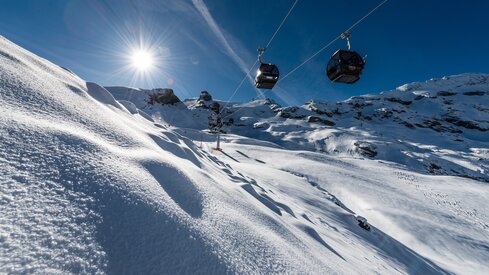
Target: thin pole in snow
<point>218,141</point>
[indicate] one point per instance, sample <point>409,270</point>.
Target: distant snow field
<point>125,181</point>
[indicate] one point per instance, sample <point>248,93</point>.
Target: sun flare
<point>142,60</point>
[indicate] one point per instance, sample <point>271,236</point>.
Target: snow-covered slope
<point>90,184</point>
<point>440,126</point>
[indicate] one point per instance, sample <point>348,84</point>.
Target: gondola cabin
<point>345,66</point>
<point>266,76</point>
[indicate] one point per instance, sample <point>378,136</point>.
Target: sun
<point>142,60</point>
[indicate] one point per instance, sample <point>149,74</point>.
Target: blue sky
<point>208,44</point>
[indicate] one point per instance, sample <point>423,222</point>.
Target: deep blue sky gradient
<point>405,41</point>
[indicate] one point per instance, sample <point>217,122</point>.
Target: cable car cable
<point>239,85</point>
<point>334,40</point>
<point>316,53</point>
<point>268,44</point>
<point>311,57</point>
<point>367,15</point>
<point>344,34</point>
<point>281,24</point>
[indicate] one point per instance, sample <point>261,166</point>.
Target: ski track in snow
<point>443,199</point>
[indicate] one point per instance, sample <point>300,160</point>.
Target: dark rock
<point>398,100</point>
<point>320,112</point>
<point>383,113</point>
<point>407,124</point>
<point>312,119</point>
<point>269,101</point>
<point>162,96</point>
<point>481,108</point>
<point>328,122</point>
<point>437,126</point>
<point>476,93</point>
<point>229,122</point>
<point>205,96</point>
<point>358,105</point>
<point>464,123</point>
<point>272,104</point>
<point>337,112</point>
<point>432,167</point>
<point>366,149</point>
<point>290,112</point>
<point>445,93</point>
<point>363,223</point>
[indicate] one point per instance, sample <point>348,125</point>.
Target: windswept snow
<point>93,180</point>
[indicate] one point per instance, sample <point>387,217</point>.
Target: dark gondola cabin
<point>345,66</point>
<point>266,76</point>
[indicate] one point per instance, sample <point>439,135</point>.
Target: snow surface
<point>94,180</point>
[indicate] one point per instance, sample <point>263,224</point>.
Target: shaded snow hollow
<point>90,184</point>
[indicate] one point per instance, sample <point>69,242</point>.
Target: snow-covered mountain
<point>94,181</point>
<point>440,126</point>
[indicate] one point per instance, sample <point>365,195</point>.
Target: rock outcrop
<point>162,96</point>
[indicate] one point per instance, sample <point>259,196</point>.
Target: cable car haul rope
<point>344,66</point>
<point>345,34</point>
<point>261,53</point>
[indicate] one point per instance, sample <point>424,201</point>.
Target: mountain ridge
<point>449,112</point>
